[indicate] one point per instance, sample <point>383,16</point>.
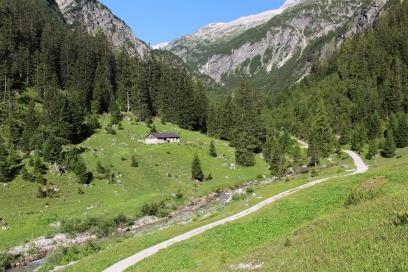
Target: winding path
<point>361,167</point>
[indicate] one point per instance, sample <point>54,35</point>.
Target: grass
<point>163,170</point>
<point>309,231</point>
<point>117,249</point>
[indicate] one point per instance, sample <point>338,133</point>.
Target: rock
<point>279,40</point>
<point>93,15</point>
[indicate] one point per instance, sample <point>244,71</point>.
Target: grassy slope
<point>117,249</point>
<point>323,234</point>
<point>28,218</point>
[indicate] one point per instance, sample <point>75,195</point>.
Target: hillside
<point>269,175</point>
<point>277,53</point>
<point>311,231</point>
<point>162,171</point>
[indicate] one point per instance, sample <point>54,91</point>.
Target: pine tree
<point>389,145</point>
<point>277,159</point>
<point>212,152</point>
<point>52,149</point>
<point>9,163</point>
<point>401,136</point>
<point>358,138</point>
<point>321,135</point>
<point>374,126</point>
<point>372,150</point>
<point>197,172</point>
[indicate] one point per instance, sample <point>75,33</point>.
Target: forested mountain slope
<point>362,89</point>
<point>95,16</point>
<point>279,52</point>
<point>57,79</point>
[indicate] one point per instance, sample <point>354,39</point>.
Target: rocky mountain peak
<point>94,16</point>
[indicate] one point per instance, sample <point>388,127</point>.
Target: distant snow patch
<point>161,45</point>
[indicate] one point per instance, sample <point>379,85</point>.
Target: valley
<point>274,142</point>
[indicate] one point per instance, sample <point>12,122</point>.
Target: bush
<point>179,195</point>
<point>66,255</point>
<point>27,176</point>
<point>110,130</point>
<point>356,196</point>
<point>80,191</point>
<point>250,190</point>
<point>238,196</point>
<point>6,261</point>
<point>208,178</point>
<point>134,163</point>
<point>47,191</point>
<point>98,226</point>
<point>401,218</point>
<point>155,209</point>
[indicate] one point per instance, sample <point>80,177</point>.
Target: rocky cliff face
<point>280,47</point>
<point>95,16</point>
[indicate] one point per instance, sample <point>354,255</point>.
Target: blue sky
<point>156,21</point>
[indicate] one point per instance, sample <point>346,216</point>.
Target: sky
<point>156,21</point>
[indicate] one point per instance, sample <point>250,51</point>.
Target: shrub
<point>208,178</point>
<point>134,163</point>
<point>110,130</point>
<point>64,256</point>
<point>259,177</point>
<point>238,196</point>
<point>179,195</point>
<point>6,261</point>
<point>100,169</point>
<point>98,226</point>
<point>401,218</point>
<point>27,176</point>
<point>47,191</point>
<point>356,196</point>
<point>155,209</point>
<point>250,190</point>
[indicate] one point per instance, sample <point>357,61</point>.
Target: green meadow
<point>118,248</point>
<point>312,230</point>
<point>163,170</point>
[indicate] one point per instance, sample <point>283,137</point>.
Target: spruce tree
<point>374,126</point>
<point>212,152</point>
<point>358,138</point>
<point>52,149</point>
<point>196,171</point>
<point>401,136</point>
<point>372,150</point>
<point>277,159</point>
<point>321,135</point>
<point>389,145</point>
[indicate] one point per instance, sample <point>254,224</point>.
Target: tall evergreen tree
<point>389,148</point>
<point>374,126</point>
<point>196,171</point>
<point>212,151</point>
<point>401,136</point>
<point>321,135</point>
<point>358,138</point>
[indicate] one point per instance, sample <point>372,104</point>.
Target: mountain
<point>95,16</point>
<point>275,48</point>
